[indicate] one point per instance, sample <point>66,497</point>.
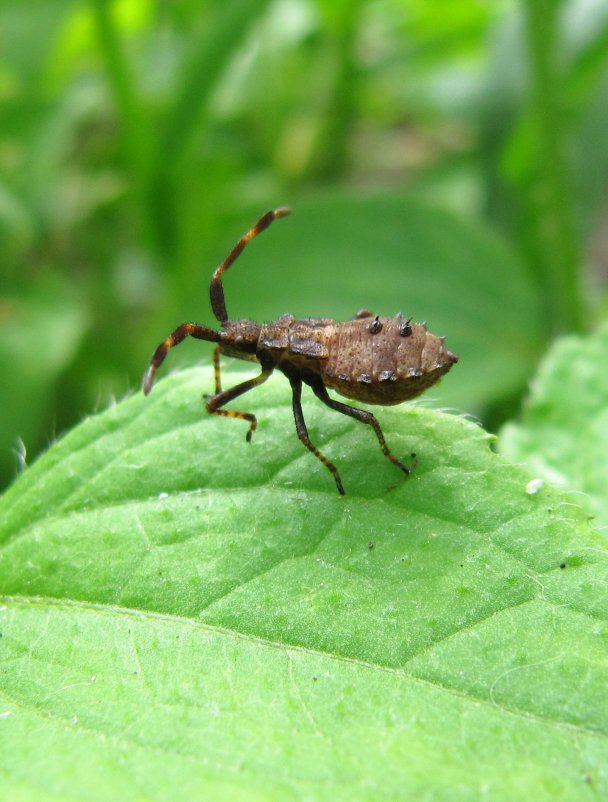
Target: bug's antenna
<point>175,338</point>
<point>216,290</point>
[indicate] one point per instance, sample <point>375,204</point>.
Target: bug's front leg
<point>296,386</point>
<point>361,415</point>
<point>215,403</point>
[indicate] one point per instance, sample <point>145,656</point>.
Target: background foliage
<point>139,139</point>
<point>171,619</point>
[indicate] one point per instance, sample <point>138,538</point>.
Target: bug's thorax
<point>305,341</point>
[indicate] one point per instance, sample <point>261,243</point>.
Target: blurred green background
<point>445,158</point>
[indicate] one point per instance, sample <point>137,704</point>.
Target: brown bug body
<point>365,359</point>
<point>377,360</point>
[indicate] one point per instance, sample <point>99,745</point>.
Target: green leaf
<point>563,436</point>
<point>185,615</point>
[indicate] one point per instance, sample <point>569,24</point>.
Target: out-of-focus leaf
<point>563,435</point>
<point>29,33</point>
<point>185,614</point>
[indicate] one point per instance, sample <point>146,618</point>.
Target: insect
<point>377,360</point>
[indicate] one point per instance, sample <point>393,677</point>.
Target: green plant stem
<point>224,28</point>
<point>559,258</point>
<point>136,133</point>
<point>332,156</point>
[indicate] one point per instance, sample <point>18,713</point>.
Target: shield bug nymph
<point>374,359</point>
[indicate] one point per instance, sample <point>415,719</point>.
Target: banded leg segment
<point>175,338</point>
<point>215,404</point>
<point>216,370</point>
<point>296,386</point>
<point>216,290</point>
<point>361,415</point>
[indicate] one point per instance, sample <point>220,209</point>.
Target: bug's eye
<point>375,327</point>
<point>405,330</point>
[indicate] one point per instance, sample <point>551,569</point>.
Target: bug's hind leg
<point>359,414</point>
<point>221,397</point>
<point>296,386</point>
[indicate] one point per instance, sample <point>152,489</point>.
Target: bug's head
<point>239,338</point>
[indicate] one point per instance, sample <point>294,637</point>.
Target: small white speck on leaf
<point>534,485</point>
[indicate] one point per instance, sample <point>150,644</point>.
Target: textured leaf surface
<point>563,435</point>
<point>186,614</point>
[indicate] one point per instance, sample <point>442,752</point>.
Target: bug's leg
<point>296,386</point>
<point>216,402</point>
<point>216,290</point>
<point>359,414</point>
<point>216,370</point>
<point>175,338</point>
